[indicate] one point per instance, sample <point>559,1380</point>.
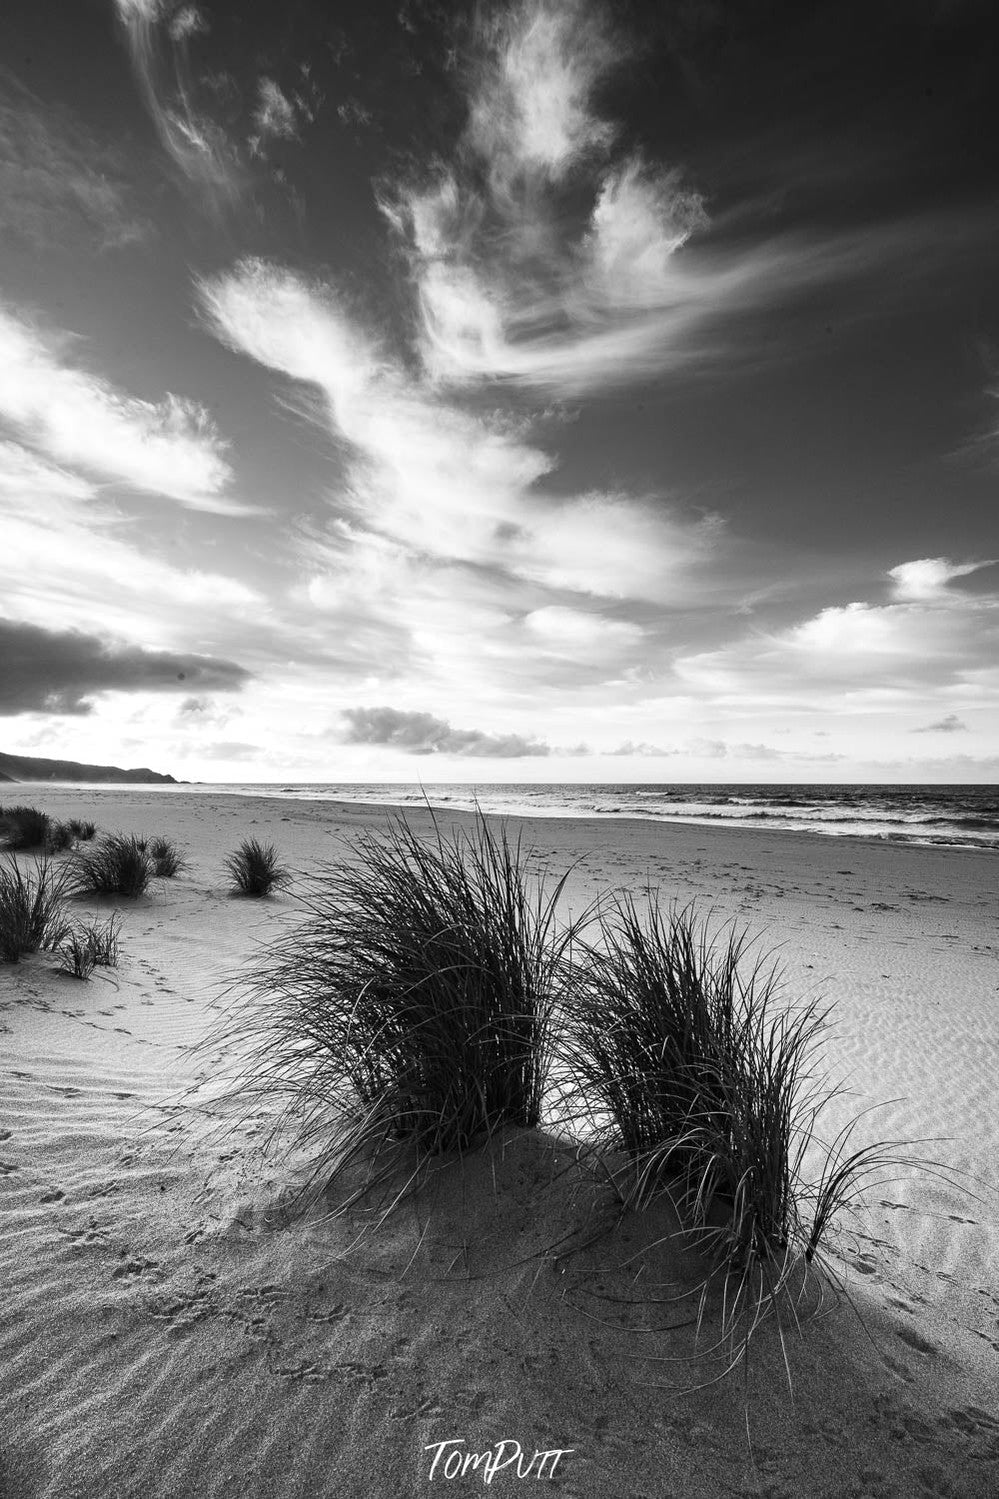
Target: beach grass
<point>81,829</point>
<point>24,827</point>
<point>255,869</point>
<point>90,945</point>
<point>59,837</point>
<point>33,914</point>
<point>166,858</point>
<point>413,1004</point>
<point>696,1068</point>
<point>118,864</point>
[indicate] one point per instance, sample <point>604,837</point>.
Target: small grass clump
<point>167,858</point>
<point>32,908</point>
<point>76,955</point>
<point>254,869</point>
<point>82,831</point>
<point>118,864</point>
<point>87,946</point>
<point>59,838</point>
<point>24,827</point>
<point>414,1003</point>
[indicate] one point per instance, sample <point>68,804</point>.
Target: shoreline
<point>450,804</point>
<point>163,1323</point>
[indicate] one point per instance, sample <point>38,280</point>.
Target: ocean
<point>958,816</point>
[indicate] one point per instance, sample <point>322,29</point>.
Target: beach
<point>171,1328</point>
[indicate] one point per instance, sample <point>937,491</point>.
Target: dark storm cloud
<point>423,734</point>
<point>58,671</point>
<point>951,724</point>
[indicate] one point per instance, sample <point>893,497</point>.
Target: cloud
<point>170,447</point>
<point>422,734</point>
<point>196,144</point>
<point>950,724</point>
<point>64,547</point>
<point>443,552</point>
<point>930,636</point>
<point>274,115</point>
<point>59,185</point>
<point>59,671</point>
<point>546,251</point>
<point>928,578</point>
<point>530,109</point>
<point>643,750</point>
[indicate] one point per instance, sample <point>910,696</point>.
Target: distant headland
<point>28,768</point>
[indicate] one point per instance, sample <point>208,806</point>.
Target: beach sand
<point>169,1330</point>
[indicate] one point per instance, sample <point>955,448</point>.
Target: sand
<point>169,1329</point>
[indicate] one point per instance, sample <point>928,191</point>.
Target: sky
<point>537,391</point>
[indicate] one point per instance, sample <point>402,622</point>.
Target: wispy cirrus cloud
<point>63,548</point>
<point>441,525</point>
<point>170,447</point>
<point>59,185</point>
<point>197,144</point>
<point>418,733</point>
<point>61,671</point>
<point>545,252</point>
<point>274,115</point>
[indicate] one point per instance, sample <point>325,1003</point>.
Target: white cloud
<point>274,115</point>
<point>196,144</point>
<point>930,639</point>
<point>616,547</point>
<point>928,578</point>
<point>512,286</point>
<point>640,220</point>
<point>169,448</point>
<point>62,549</point>
<point>531,111</point>
<point>444,544</point>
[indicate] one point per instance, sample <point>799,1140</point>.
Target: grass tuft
<point>167,858</point>
<point>32,907</point>
<point>82,831</point>
<point>694,1064</point>
<point>59,837</point>
<point>413,1004</point>
<point>254,869</point>
<point>87,946</point>
<point>117,865</point>
<point>24,827</point>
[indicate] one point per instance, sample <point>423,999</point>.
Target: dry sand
<point>168,1331</point>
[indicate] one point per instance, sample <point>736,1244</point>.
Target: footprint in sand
<point>971,1420</point>
<point>131,1269</point>
<point>914,1340</point>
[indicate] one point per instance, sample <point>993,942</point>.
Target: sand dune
<point>171,1329</point>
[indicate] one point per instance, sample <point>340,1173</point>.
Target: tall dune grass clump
<point>413,1004</point>
<point>24,827</point>
<point>697,1068</point>
<point>32,907</point>
<point>118,864</point>
<point>81,829</point>
<point>255,869</point>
